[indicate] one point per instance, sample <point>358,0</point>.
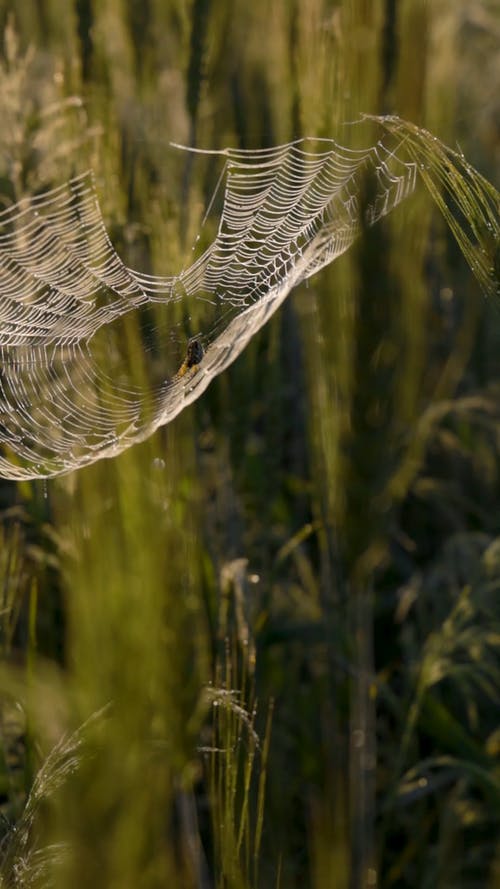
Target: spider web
<point>70,393</point>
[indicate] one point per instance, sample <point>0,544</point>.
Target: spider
<point>194,354</point>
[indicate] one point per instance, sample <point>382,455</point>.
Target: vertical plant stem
<point>363,754</point>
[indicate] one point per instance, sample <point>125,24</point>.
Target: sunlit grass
<point>320,532</point>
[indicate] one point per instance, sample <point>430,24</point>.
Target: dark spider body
<point>194,354</point>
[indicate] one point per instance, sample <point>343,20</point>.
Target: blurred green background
<point>262,649</point>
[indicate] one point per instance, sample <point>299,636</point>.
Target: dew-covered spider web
<point>69,391</point>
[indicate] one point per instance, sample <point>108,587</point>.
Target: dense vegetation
<point>262,649</point>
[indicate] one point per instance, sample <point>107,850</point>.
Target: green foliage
<point>319,537</point>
